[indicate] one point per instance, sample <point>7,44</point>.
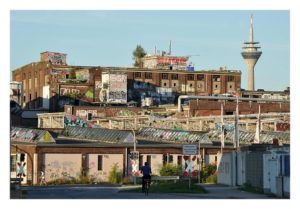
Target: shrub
<point>115,176</point>
<point>212,179</point>
<point>170,170</point>
<point>208,170</point>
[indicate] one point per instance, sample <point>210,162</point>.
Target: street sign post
<point>189,149</point>
<point>134,157</point>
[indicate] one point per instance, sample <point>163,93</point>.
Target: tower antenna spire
<point>251,54</point>
<point>251,38</point>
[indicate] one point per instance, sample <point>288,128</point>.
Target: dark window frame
<point>100,163</point>
<point>137,75</point>
<point>190,77</point>
<point>165,76</point>
<point>174,76</point>
<point>200,77</point>
<point>148,75</point>
<point>216,78</point>
<point>230,78</point>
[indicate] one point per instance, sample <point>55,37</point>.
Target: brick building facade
<point>45,83</point>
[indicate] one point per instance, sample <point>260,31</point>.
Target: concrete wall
<point>254,169</point>
<point>241,168</point>
<point>227,169</point>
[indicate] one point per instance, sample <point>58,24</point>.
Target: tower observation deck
<point>251,54</point>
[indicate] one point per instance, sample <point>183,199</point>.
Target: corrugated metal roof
<point>174,136</point>
<point>98,135</point>
<point>30,135</point>
<point>246,137</point>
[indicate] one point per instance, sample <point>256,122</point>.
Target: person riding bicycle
<point>146,171</point>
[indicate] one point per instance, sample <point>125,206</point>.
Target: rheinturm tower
<point>251,54</point>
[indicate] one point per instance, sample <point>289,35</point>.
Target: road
<point>119,192</point>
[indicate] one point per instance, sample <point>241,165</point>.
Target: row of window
<point>29,75</point>
<point>190,77</point>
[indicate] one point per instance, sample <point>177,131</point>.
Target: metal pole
<point>134,149</point>
<point>189,174</point>
<point>199,172</point>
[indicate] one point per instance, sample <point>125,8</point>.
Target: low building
<point>77,151</point>
<point>263,167</point>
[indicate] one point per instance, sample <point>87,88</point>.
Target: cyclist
<point>146,171</point>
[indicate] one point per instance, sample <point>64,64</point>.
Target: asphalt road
<point>119,192</point>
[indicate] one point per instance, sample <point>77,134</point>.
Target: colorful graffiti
<point>55,58</point>
<point>84,113</point>
<point>89,94</point>
<point>71,120</point>
<point>24,135</point>
<point>115,84</point>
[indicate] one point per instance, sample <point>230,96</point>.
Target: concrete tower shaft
<point>251,55</point>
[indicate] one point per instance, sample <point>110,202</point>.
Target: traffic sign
<point>134,155</point>
<point>189,149</point>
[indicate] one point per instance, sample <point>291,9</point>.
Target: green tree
<point>138,53</point>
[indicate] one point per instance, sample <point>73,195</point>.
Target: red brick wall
<point>205,108</point>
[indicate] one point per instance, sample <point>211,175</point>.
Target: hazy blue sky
<point>107,38</point>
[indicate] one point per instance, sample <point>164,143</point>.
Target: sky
<point>107,38</point>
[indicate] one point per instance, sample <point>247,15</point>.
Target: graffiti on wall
<point>84,113</point>
<point>115,87</point>
<point>25,135</point>
<point>125,113</point>
<point>72,120</point>
<point>56,169</point>
<point>117,95</point>
<point>98,84</point>
<point>55,58</point>
<point>283,126</point>
<point>66,91</point>
<point>59,71</point>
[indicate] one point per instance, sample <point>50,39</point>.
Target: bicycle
<point>146,186</point>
